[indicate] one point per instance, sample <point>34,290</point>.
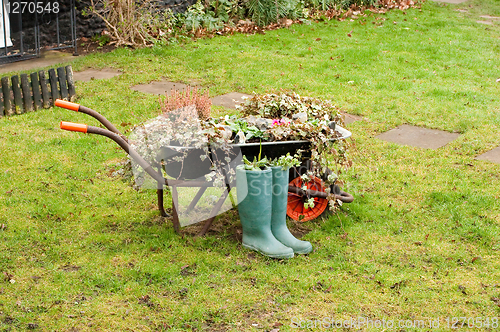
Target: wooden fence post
<point>25,86</point>
<point>61,74</point>
<point>18,98</point>
<point>53,85</point>
<point>37,96</point>
<point>45,89</point>
<point>7,98</point>
<point>71,83</point>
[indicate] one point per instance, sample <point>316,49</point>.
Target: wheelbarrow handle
<point>67,105</point>
<point>71,126</point>
<point>83,128</point>
<point>82,109</point>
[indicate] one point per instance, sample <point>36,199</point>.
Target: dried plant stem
<point>188,97</point>
<point>124,19</point>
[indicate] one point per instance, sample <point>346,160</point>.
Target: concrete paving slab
<point>485,22</point>
<point>230,100</point>
<point>492,156</point>
<point>418,137</point>
<point>488,17</point>
<point>349,118</point>
<point>46,59</point>
<point>94,74</point>
<point>160,88</point>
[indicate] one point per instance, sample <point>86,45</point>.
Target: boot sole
<point>303,252</point>
<point>268,255</point>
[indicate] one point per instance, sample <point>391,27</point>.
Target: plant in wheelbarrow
<point>262,188</point>
<point>313,127</point>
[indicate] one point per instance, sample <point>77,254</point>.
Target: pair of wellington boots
<point>262,197</point>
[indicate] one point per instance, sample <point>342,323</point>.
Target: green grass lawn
<point>81,250</point>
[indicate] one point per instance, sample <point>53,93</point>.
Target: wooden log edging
<point>27,93</point>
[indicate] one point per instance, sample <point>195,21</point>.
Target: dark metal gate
<point>28,26</point>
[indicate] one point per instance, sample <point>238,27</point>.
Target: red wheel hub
<point>295,206</point>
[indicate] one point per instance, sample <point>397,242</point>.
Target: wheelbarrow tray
<point>193,167</point>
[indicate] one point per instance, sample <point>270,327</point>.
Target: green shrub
<point>197,16</point>
<point>265,12</point>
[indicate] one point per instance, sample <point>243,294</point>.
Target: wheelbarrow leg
<point>206,227</point>
<point>159,193</point>
<point>217,207</point>
<point>196,199</point>
<point>160,203</point>
<point>214,211</point>
<point>175,203</point>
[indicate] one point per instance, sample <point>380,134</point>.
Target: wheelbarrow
<point>297,195</point>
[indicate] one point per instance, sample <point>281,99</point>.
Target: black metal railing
<point>28,26</point>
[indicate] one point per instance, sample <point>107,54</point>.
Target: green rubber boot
<point>254,207</point>
<point>278,219</point>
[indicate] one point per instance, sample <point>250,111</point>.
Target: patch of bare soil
<point>87,46</point>
<point>227,225</point>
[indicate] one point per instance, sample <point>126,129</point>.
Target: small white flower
<point>332,177</point>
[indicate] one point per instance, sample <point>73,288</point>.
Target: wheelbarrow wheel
<point>295,204</point>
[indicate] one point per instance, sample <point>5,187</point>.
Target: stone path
<point>489,18</point>
<point>349,118</point>
<point>492,156</point>
<point>418,137</point>
<point>160,88</point>
<point>94,74</point>
<point>403,135</point>
<point>230,100</point>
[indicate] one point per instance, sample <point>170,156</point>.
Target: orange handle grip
<point>67,105</point>
<point>71,126</point>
